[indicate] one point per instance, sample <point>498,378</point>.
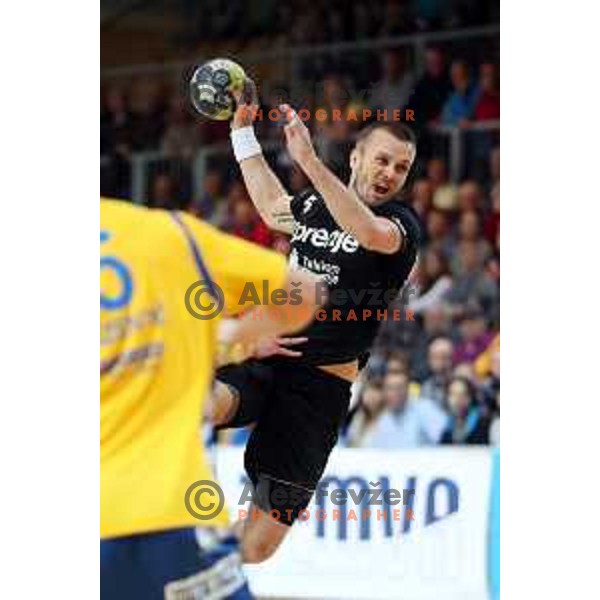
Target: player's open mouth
<point>381,189</point>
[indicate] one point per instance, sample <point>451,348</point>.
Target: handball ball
<point>212,88</point>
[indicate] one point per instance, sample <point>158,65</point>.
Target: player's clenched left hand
<point>277,347</point>
<point>298,137</point>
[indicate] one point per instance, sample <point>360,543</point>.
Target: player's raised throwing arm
<point>377,177</point>
<point>266,191</point>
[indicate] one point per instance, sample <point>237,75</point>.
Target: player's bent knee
<point>261,537</point>
<point>221,404</point>
<point>257,551</point>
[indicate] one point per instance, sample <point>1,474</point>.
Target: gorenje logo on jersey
<point>319,237</point>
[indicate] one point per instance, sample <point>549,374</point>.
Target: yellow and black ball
<point>213,87</point>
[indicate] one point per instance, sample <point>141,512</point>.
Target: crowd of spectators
<point>152,115</point>
<point>433,380</point>
<point>331,20</point>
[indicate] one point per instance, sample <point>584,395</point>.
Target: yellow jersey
<point>156,358</point>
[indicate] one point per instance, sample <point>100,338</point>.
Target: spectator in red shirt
<point>488,105</point>
<point>248,225</point>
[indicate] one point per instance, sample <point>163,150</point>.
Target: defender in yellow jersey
<point>156,366</point>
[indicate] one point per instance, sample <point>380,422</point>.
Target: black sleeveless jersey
<point>360,283</point>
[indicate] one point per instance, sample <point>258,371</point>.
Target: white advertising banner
<point>432,548</point>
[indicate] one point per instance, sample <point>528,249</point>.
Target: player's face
<point>380,165</point>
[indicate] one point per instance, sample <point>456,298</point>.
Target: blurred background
<point>434,382</point>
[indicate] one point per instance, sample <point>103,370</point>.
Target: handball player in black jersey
<point>363,242</point>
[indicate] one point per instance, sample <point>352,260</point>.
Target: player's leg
<point>260,535</point>
<point>238,394</point>
<point>277,502</point>
<point>222,404</point>
<point>287,452</point>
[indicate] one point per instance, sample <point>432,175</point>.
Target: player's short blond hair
<point>399,130</point>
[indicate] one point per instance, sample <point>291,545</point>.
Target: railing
<point>458,139</point>
<point>452,143</point>
<point>458,142</point>
<point>291,56</point>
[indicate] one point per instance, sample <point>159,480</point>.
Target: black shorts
<point>298,410</point>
